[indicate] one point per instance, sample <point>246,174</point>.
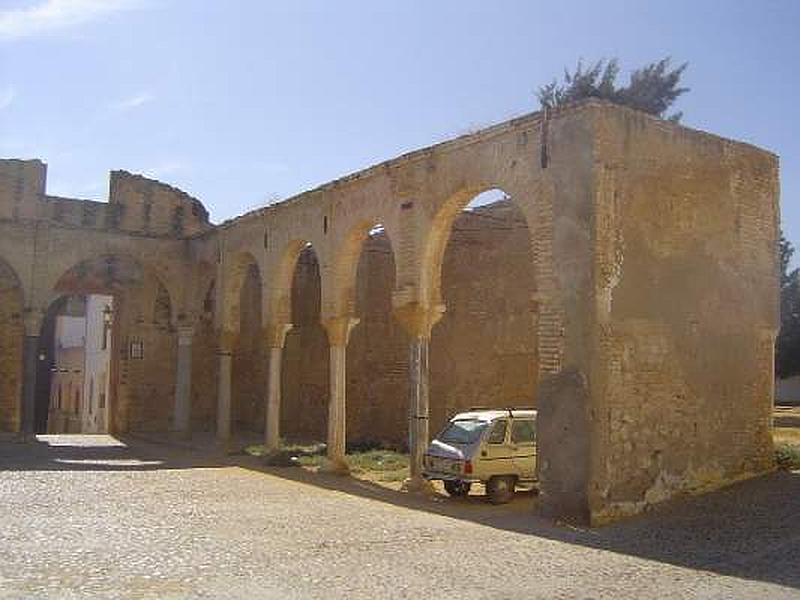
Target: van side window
<point>523,432</point>
<point>497,434</point>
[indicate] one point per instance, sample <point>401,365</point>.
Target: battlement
<point>136,204</point>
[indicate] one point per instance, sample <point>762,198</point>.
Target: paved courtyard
<point>86,516</point>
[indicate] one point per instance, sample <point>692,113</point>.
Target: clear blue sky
<point>239,102</point>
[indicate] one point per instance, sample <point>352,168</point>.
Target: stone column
<point>338,329</point>
<point>225,354</point>
<point>183,382</point>
<point>276,339</point>
<point>418,322</point>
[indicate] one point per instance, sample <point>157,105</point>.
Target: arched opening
<point>12,332</point>
<point>304,376</point>
<point>108,339</point>
<point>483,352</point>
<point>377,353</point>
<point>249,369</point>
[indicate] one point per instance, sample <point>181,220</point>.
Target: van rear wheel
<point>500,489</point>
<point>457,488</point>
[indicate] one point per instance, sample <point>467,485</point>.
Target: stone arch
<point>305,375</point>
<point>12,332</point>
<point>440,229</point>
<point>280,293</point>
<point>69,264</point>
<point>377,350</point>
<point>236,272</point>
<point>343,280</point>
<point>249,352</point>
<point>483,351</point>
<point>142,334</point>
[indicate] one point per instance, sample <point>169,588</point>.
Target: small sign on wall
<point>136,349</point>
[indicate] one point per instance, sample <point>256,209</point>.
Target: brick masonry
<point>632,296</point>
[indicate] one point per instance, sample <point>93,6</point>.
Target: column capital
<point>339,329</point>
<point>185,335</point>
<point>32,320</point>
<point>275,334</point>
<point>418,320</point>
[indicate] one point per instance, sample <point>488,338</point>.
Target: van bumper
<point>436,476</point>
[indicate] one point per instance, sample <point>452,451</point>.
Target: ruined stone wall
<point>685,276</point>
<point>483,351</point>
<point>151,207</point>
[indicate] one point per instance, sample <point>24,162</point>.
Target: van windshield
<point>463,431</point>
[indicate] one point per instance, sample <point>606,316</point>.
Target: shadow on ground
<point>750,530</point>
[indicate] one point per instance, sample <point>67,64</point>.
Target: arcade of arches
<point>621,280</point>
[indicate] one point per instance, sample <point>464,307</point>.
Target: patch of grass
<point>377,464</point>
<point>310,460</point>
<point>787,456</point>
<point>383,465</point>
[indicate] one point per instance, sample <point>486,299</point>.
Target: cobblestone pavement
<point>81,517</point>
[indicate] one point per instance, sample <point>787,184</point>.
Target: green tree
<point>653,88</point>
<point>787,347</point>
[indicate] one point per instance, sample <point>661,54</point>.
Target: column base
<point>334,467</point>
<point>418,485</point>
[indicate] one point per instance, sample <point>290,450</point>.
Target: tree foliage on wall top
<point>652,88</point>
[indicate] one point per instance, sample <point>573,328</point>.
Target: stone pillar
<point>183,382</point>
<point>30,366</point>
<point>338,329</point>
<point>418,322</point>
<point>225,354</point>
<point>276,339</point>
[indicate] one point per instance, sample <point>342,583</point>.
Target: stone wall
<point>11,334</point>
<point>147,384</point>
<point>687,312</point>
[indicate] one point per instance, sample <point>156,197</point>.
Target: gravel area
<point>85,516</point>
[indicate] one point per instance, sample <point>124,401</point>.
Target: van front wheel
<point>500,489</point>
<point>456,488</point>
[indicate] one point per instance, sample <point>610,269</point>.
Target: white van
<point>496,447</point>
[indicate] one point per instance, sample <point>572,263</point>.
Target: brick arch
<point>280,293</point>
<point>440,229</point>
<point>121,270</point>
<point>340,295</point>
<point>235,274</point>
<point>534,199</point>
<point>9,280</point>
<point>161,272</point>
